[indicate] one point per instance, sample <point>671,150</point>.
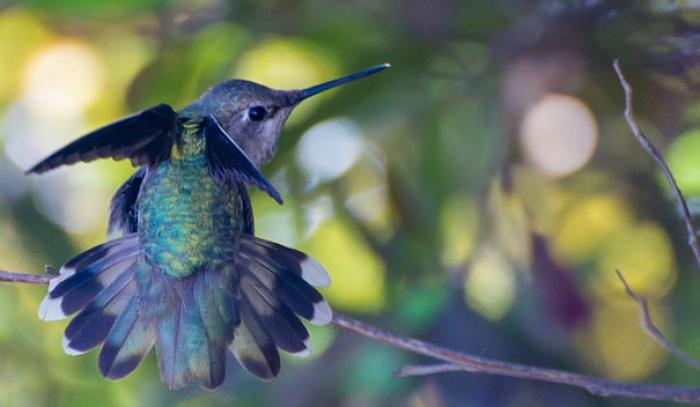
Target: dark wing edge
<point>247,209</point>
<point>229,163</point>
<point>123,209</point>
<point>145,138</point>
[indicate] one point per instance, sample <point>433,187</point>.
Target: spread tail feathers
<point>250,305</point>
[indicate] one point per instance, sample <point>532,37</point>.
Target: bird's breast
<point>187,220</point>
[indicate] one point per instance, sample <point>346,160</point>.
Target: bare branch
<point>648,326</point>
<point>656,155</point>
<point>424,370</point>
<point>39,279</point>
<point>475,364</point>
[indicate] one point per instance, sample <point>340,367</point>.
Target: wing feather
<point>229,163</point>
<point>145,138</point>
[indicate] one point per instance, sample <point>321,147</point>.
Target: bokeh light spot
<point>683,156</point>
<point>588,224</point>
<point>276,222</point>
<point>356,272</point>
<point>30,136</point>
<point>489,286</point>
<point>365,186</point>
<point>558,134</point>
<point>459,219</point>
<point>614,344</point>
<point>510,223</point>
<point>61,197</point>
<point>329,149</point>
<point>645,255</point>
<point>21,34</point>
<point>62,79</point>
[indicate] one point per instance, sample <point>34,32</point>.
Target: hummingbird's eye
<point>257,113</point>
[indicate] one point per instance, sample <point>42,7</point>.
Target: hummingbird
<point>183,271</point>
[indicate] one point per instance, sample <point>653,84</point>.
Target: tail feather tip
<point>304,352</point>
<point>313,273</point>
<point>322,313</point>
<point>67,347</point>
<point>50,309</point>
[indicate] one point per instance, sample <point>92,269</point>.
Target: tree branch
<point>475,364</point>
<point>37,279</point>
<point>648,325</point>
<point>645,317</point>
<point>424,370</point>
<point>459,361</point>
<point>656,155</point>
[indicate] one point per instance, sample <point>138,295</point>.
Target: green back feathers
<point>185,216</point>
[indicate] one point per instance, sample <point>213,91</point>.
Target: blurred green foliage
<point>479,194</point>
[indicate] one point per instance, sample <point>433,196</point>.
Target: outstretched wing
<point>145,138</point>
<point>229,163</point>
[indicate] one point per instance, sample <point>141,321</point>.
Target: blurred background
<point>479,194</point>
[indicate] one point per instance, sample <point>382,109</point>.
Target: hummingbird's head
<point>254,114</point>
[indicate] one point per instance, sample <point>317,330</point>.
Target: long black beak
<point>305,93</point>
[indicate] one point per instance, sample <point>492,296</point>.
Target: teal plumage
<point>188,276</point>
<point>185,214</point>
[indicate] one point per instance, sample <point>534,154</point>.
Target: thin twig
<point>38,279</point>
<point>475,364</point>
<point>656,155</point>
<point>645,317</point>
<point>425,370</point>
<point>648,326</point>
